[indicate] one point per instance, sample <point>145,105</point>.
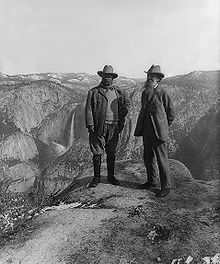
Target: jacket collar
<point>101,90</point>
<point>117,90</point>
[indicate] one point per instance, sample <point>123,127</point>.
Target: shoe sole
<point>113,183</point>
<point>147,188</point>
<point>92,186</point>
<point>161,196</point>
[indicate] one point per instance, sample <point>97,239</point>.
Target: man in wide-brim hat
<point>156,115</point>
<point>105,112</point>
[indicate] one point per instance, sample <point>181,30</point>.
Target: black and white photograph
<point>109,132</point>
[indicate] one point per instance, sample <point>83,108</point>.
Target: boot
<point>147,186</point>
<point>96,166</point>
<point>163,192</point>
<point>111,167</point>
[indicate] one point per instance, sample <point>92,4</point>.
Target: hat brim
<point>103,74</point>
<point>157,73</point>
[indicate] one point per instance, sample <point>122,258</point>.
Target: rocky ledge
<point>123,224</point>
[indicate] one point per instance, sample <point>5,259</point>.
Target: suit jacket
<point>157,113</point>
<point>96,106</point>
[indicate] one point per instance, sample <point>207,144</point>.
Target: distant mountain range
<point>81,81</point>
<point>42,119</point>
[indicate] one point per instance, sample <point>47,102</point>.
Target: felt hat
<point>107,71</point>
<point>155,69</point>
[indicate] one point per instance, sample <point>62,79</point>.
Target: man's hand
<point>91,129</point>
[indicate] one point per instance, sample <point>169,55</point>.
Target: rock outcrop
<point>60,175</point>
<point>123,224</point>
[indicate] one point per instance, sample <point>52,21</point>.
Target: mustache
<point>107,82</point>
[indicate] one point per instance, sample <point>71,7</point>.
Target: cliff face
<point>199,149</point>
<point>42,119</point>
<point>37,124</point>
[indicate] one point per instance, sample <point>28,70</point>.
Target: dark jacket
<point>96,106</point>
<point>157,112</point>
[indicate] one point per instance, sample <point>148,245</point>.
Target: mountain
<point>43,130</point>
<point>35,117</point>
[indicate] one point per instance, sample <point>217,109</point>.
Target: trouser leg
<point>150,160</point>
<point>112,137</point>
<point>161,151</point>
<point>96,167</point>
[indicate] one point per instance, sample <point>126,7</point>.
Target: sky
<point>68,36</point>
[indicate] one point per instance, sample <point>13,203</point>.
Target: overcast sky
<point>84,35</point>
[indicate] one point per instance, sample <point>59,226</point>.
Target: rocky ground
<point>122,224</point>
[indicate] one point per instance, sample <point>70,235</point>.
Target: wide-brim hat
<point>155,69</point>
<point>107,71</point>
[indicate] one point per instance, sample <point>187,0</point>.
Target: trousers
<point>107,143</point>
<point>156,150</point>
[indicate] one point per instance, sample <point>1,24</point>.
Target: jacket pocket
<point>160,126</point>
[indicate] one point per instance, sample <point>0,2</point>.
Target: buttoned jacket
<point>156,114</point>
<point>96,107</point>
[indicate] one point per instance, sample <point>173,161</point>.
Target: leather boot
<point>96,166</point>
<point>163,192</point>
<point>111,167</point>
<point>147,186</point>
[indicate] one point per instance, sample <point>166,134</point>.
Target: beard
<point>149,85</point>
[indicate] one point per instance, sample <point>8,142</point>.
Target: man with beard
<point>157,113</point>
<point>106,108</point>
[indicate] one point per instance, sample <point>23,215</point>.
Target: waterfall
<point>59,149</point>
<point>71,134</point>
